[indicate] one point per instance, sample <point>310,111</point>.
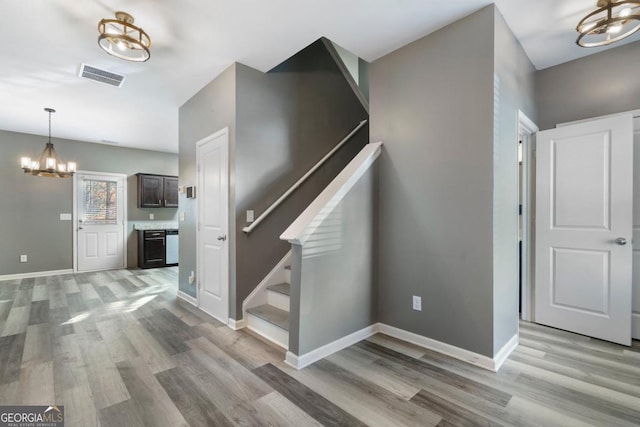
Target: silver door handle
<point>223,237</point>
<point>621,241</point>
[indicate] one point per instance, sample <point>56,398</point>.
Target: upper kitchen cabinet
<point>157,191</point>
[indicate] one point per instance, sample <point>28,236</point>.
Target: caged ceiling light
<point>120,38</point>
<point>48,163</point>
<point>611,22</point>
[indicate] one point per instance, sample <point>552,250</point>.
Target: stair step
<point>283,288</point>
<point>272,315</point>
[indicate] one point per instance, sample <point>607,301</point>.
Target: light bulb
<point>614,29</point>
<point>71,166</point>
<point>51,163</point>
<point>25,163</point>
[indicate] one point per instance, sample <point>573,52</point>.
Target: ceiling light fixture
<point>120,38</point>
<point>611,22</point>
<point>48,163</point>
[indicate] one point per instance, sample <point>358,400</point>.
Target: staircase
<point>271,319</point>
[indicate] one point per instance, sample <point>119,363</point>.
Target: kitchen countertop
<point>155,225</point>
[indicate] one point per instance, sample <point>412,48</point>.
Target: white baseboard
<point>187,298</point>
<point>504,352</point>
<point>451,350</point>
<point>237,324</point>
<point>307,359</point>
<point>635,326</point>
<point>35,274</point>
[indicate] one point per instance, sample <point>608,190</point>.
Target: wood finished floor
<point>117,349</point>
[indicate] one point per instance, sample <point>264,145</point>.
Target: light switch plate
<point>249,216</point>
<point>181,216</point>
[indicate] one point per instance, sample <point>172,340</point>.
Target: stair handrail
<point>248,229</point>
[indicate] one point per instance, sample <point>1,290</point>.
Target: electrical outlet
<point>181,216</point>
<point>152,216</point>
<point>417,303</point>
<point>23,258</point>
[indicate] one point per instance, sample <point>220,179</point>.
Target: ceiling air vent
<point>102,76</point>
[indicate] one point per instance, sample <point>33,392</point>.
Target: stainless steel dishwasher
<point>172,247</point>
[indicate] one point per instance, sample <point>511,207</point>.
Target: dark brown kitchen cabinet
<point>157,191</point>
<point>151,248</point>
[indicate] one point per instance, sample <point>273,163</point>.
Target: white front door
<point>99,221</point>
<point>583,208</point>
<point>213,213</point>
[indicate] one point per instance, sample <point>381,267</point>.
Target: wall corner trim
<point>236,325</point>
<point>35,274</point>
<point>302,361</point>
<point>451,350</point>
<point>504,352</point>
<point>187,298</point>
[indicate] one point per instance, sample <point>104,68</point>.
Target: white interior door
<point>635,326</point>
<point>584,196</point>
<point>99,221</point>
<point>213,214</point>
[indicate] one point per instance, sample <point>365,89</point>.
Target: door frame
<point>74,222</point>
<point>230,232</point>
<point>527,130</point>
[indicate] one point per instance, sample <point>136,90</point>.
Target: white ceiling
<point>45,42</point>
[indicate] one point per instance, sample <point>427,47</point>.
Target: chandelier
<point>120,38</point>
<point>48,163</point>
<point>611,22</point>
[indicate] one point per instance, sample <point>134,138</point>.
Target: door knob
<point>223,237</point>
<point>621,241</point>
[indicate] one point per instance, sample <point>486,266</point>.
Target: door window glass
<point>100,201</point>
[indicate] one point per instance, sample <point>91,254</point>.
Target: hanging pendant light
<point>48,163</point>
<point>611,22</point>
<point>120,38</point>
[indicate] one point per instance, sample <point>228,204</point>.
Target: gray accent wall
<point>432,107</point>
<point>604,83</point>
<point>31,206</point>
<point>447,217</point>
<point>514,78</point>
<point>211,109</point>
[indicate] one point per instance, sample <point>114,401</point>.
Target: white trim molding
<point>299,362</point>
<point>306,223</point>
<point>635,326</point>
<point>502,355</point>
<point>451,350</point>
<point>187,298</point>
<point>35,274</point>
<point>485,362</point>
<point>236,325</point>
